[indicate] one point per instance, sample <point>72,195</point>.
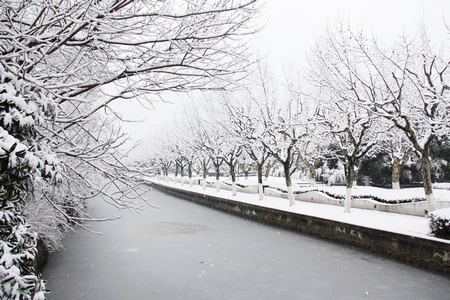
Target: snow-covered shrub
<point>441,185</point>
<point>440,223</point>
<point>18,246</point>
<point>337,176</point>
<point>45,220</point>
<point>24,160</point>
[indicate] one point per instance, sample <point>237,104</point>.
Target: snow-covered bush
<point>337,176</point>
<point>24,160</point>
<point>440,223</point>
<point>18,246</point>
<point>45,220</point>
<point>441,185</point>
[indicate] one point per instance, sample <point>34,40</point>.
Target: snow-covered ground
<point>391,222</point>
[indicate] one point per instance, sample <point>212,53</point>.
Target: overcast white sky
<point>292,26</point>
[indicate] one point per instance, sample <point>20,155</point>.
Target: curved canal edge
<point>430,254</point>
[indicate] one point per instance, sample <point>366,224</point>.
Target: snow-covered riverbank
<point>397,223</point>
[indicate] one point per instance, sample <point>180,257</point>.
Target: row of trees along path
<point>357,99</point>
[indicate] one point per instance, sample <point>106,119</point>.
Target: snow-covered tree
<point>180,164</point>
<point>212,142</point>
<point>230,155</point>
<point>246,127</point>
<point>160,155</point>
<point>281,134</point>
<point>407,85</point>
<point>312,148</point>
<point>354,138</point>
<point>311,153</point>
<point>86,55</point>
<point>203,158</point>
<point>399,147</point>
<point>62,63</point>
<point>186,145</point>
<point>205,162</point>
<point>417,99</point>
<point>259,155</point>
<point>79,57</point>
<point>245,164</point>
<point>72,48</point>
<point>225,143</point>
<point>336,71</point>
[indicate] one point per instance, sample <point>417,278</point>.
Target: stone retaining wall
<point>430,254</point>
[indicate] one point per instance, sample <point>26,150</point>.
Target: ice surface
<point>187,251</point>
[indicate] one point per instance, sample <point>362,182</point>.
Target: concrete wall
<point>430,254</point>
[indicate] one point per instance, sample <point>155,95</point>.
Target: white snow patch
<point>443,213</point>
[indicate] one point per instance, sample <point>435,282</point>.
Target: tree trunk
<point>427,184</point>
<point>396,174</point>
<point>287,175</point>
<point>182,174</point>
<point>205,174</point>
<point>312,175</point>
<point>217,185</point>
<point>260,182</point>
<point>354,177</point>
<point>246,175</point>
<point>233,179</point>
<point>267,173</point>
<point>177,169</point>
<point>218,177</point>
<point>190,174</point>
<point>348,199</point>
<point>348,192</point>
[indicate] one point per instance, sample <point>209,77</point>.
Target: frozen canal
<point>187,251</point>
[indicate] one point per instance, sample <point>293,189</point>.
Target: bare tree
<point>248,127</point>
<point>399,148</point>
<point>277,127</point>
<point>407,85</point>
<point>161,157</point>
<point>72,48</point>
<point>76,58</point>
<point>230,157</point>
<point>354,138</point>
<point>335,70</point>
<point>280,138</point>
<point>311,154</point>
<point>313,146</point>
<point>415,97</point>
<point>85,55</point>
<point>245,164</point>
